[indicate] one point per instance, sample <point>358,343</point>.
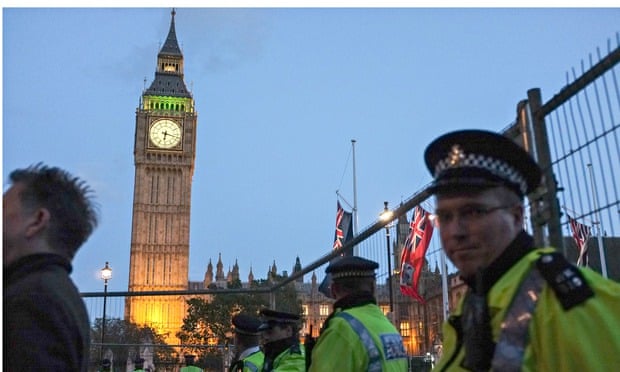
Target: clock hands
<point>165,133</point>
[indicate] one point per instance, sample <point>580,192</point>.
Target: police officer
<point>190,366</point>
<point>357,336</point>
<point>280,333</point>
<point>526,308</point>
<point>248,356</point>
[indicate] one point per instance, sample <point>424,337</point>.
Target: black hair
<point>69,200</point>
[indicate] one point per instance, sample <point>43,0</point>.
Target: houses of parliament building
<point>419,324</point>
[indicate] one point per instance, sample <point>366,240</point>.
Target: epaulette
<point>565,279</point>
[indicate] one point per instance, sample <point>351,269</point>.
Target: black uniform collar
<point>275,348</point>
<point>522,244</point>
<point>354,300</point>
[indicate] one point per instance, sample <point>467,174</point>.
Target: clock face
<point>165,133</point>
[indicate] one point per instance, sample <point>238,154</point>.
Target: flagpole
<point>598,223</point>
<point>444,280</point>
<point>444,284</point>
<point>355,249</point>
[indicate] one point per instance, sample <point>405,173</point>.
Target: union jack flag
<point>414,250</point>
<point>344,233</point>
<point>339,235</point>
<point>581,234</point>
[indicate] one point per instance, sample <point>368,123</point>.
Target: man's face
<point>276,332</point>
<point>14,220</point>
<point>475,228</point>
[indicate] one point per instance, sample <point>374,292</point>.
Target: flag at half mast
<point>414,251</point>
<point>344,233</point>
<point>581,234</point>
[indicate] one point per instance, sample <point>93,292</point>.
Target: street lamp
<point>106,274</point>
<point>386,215</point>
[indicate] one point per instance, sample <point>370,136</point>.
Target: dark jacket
<point>45,321</point>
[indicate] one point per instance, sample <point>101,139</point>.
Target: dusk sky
<point>280,94</point>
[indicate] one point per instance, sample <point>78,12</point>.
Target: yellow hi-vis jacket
<point>292,359</point>
<point>584,337</point>
<point>254,362</point>
<point>359,339</point>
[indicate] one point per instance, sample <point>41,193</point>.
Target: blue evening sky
<point>280,93</point>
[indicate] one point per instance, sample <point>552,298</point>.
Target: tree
<point>286,296</point>
<point>123,340</point>
<point>208,320</point>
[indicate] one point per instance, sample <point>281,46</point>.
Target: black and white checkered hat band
<point>353,274</point>
<point>496,167</point>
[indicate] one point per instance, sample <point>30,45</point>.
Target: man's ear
<point>334,288</point>
<point>38,222</point>
<point>518,211</point>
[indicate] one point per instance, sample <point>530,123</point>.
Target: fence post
<point>551,207</point>
<point>522,133</point>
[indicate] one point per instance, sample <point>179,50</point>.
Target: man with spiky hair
<point>47,215</point>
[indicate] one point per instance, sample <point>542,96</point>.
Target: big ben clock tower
<point>164,154</point>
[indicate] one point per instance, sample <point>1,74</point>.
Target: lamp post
<point>106,274</point>
<point>386,215</point>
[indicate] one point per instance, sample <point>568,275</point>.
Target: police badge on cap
<point>477,159</point>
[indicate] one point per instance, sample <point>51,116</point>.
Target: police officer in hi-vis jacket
<point>357,336</point>
<point>527,308</point>
<point>280,333</point>
<point>248,355</point>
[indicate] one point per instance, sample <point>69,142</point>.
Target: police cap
<point>270,318</point>
<point>246,324</point>
<point>478,159</point>
<point>352,267</point>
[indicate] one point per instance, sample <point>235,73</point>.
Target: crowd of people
<point>526,308</point>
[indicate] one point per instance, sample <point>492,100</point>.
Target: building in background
<point>419,323</point>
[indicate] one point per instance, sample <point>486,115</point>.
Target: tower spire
<point>171,46</point>
<point>169,73</point>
